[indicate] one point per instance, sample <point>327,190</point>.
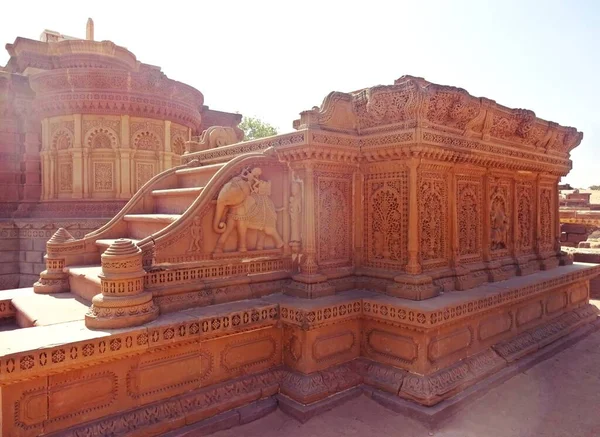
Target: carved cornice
<point>148,93</point>
<point>415,102</point>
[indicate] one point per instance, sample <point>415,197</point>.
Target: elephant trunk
<point>219,226</point>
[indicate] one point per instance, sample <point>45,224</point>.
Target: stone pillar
<point>45,161</point>
<point>167,156</point>
<point>413,267</point>
<point>77,159</point>
<point>31,161</point>
<point>123,301</point>
<point>54,279</point>
<point>309,283</point>
<point>413,285</point>
<point>125,160</point>
<point>87,172</point>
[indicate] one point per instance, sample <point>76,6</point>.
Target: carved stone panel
<point>469,202</point>
<point>526,221</point>
<point>500,216</point>
<point>433,218</point>
<point>65,177</point>
<point>103,176</point>
<point>334,240</point>
<point>143,173</point>
<point>386,220</point>
<point>547,225</point>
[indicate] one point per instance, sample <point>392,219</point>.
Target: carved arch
<point>62,139</point>
<point>101,138</point>
<point>147,140</point>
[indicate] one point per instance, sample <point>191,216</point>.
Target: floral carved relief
<point>143,173</point>
<point>103,176</point>
<point>386,218</point>
<point>66,177</point>
<point>469,201</point>
<point>433,218</point>
<point>525,216</point>
<point>334,209</point>
<point>500,223</point>
<point>546,219</point>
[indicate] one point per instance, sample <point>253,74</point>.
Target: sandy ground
<point>557,397</point>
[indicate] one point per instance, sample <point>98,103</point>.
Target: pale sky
<point>273,59</point>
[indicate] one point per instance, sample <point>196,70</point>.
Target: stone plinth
<point>54,279</point>
<point>123,301</point>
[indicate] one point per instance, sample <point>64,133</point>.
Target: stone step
<point>84,281</point>
<point>140,226</point>
<point>104,244</point>
<point>196,176</point>
<point>48,309</point>
<point>176,200</point>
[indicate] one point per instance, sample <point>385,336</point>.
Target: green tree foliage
<point>595,187</point>
<point>254,128</point>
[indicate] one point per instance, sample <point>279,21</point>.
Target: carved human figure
<point>500,224</point>
<point>247,199</point>
<point>295,208</point>
<point>195,234</point>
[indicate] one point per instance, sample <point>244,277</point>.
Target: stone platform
<point>191,365</point>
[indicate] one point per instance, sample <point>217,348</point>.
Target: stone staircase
<point>158,209</point>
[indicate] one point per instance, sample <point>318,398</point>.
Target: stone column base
<point>119,312</point>
<point>50,282</point>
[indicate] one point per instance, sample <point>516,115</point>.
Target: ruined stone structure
<point>83,126</point>
<point>402,240</point>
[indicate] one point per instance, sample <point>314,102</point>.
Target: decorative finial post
<point>53,279</point>
<point>89,30</point>
<point>123,301</point>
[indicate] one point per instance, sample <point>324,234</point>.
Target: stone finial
<point>60,236</point>
<point>122,302</point>
<point>54,279</point>
<point>89,30</point>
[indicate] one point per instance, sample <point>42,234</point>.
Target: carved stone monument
<point>401,241</point>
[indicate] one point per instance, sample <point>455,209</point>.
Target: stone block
<point>8,268</point>
<point>573,228</point>
<point>39,244</point>
<point>9,256</point>
<point>9,281</point>
<point>34,257</point>
<point>25,244</point>
<point>257,410</point>
<point>26,268</point>
<point>9,244</point>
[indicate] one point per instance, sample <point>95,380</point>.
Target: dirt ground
<point>557,397</point>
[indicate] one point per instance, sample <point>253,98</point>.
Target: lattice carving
<point>546,219</point>
<point>65,177</point>
<point>334,212</point>
<point>525,216</point>
<point>103,176</point>
<point>386,218</point>
<point>500,213</point>
<point>469,200</point>
<point>433,218</point>
<point>143,173</point>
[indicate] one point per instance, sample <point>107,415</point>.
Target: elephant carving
<point>245,199</point>
<point>217,136</point>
